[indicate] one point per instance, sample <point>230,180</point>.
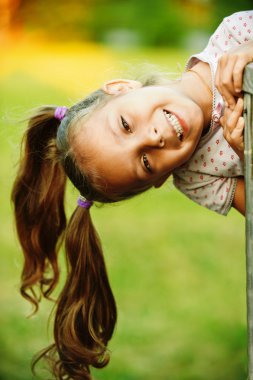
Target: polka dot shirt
<point>209,177</point>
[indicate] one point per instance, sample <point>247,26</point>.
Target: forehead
<point>102,151</point>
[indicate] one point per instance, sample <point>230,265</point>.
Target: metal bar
<point>248,167</point>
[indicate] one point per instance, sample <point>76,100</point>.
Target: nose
<point>154,138</point>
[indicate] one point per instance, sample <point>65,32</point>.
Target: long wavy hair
<point>85,314</point>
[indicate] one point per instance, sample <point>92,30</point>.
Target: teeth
<point>175,124</point>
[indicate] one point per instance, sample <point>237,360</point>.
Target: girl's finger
<point>238,72</point>
<point>222,121</point>
<point>227,81</point>
<point>227,112</point>
<point>227,69</point>
<point>240,125</point>
<point>235,137</point>
<point>237,134</point>
<point>218,76</point>
<point>234,116</point>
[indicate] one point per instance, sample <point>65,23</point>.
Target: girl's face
<point>134,140</point>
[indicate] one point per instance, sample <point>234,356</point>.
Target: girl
<point>121,140</point>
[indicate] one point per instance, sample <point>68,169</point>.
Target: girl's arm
<point>233,126</point>
<point>229,74</point>
<point>239,197</point>
<point>232,46</point>
<point>228,80</point>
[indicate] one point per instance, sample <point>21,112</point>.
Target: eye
<point>146,163</point>
<point>125,125</point>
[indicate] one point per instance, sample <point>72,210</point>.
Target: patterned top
<point>210,176</point>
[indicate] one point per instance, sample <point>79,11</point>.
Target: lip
<point>181,121</point>
<point>183,124</point>
<point>171,128</point>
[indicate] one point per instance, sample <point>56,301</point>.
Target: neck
<point>197,85</point>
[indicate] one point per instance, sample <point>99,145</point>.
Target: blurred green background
<point>177,270</point>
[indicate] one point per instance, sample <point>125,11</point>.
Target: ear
<point>161,180</point>
<point>120,86</point>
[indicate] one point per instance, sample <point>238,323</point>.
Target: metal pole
<point>248,164</point>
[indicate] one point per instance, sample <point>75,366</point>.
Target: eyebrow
<point>134,168</point>
<point>112,129</point>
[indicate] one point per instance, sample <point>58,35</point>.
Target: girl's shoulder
<point>234,30</point>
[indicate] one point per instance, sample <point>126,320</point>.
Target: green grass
<point>177,271</point>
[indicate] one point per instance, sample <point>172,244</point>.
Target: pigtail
<point>86,310</point>
<point>38,195</point>
<point>85,314</point>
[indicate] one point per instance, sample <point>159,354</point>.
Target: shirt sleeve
<point>234,30</point>
<point>214,193</point>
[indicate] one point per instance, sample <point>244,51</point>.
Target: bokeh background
<point>177,270</point>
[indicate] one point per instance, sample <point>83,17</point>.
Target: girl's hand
<point>229,74</point>
<point>233,126</point>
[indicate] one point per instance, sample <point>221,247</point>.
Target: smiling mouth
<point>175,124</point>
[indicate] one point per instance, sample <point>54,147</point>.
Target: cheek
<point>166,161</point>
<point>187,152</point>
<point>169,160</point>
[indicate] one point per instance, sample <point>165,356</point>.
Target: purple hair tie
<point>60,112</point>
<point>84,203</point>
